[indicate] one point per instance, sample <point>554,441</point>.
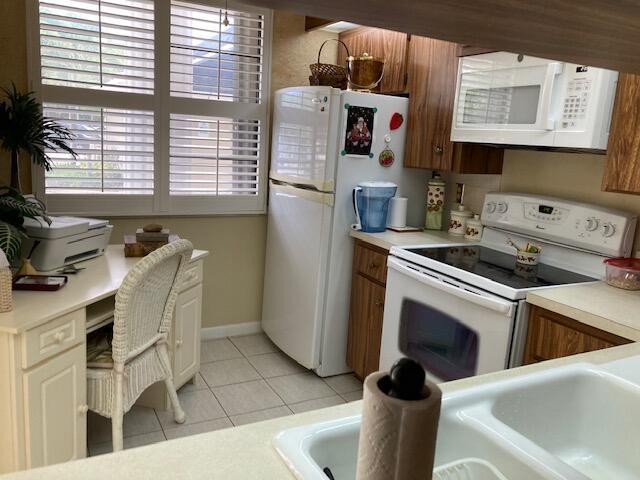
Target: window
<point>167,104</point>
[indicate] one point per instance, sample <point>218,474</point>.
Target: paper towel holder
<point>405,380</point>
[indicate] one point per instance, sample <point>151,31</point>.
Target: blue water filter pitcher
<point>371,204</point>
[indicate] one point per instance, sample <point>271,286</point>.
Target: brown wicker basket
<point>328,74</point>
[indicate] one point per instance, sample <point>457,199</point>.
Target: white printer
<point>67,240</point>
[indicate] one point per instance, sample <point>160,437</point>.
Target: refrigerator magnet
<point>386,157</point>
<point>359,131</point>
<point>396,121</point>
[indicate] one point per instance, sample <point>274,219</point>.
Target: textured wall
<point>13,68</point>
<point>566,175</point>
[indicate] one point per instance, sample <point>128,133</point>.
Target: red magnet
<point>396,121</point>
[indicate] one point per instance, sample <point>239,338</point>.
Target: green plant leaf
<point>24,208</point>
<point>10,241</point>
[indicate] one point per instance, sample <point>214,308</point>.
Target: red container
<point>623,273</point>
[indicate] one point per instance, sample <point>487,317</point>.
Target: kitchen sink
<point>576,422</point>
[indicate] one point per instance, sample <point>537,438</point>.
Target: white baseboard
<point>248,328</point>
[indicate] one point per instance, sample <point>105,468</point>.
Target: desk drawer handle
<point>59,337</point>
<point>178,343</point>
<point>82,409</point>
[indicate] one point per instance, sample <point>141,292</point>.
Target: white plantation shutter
<point>164,121</point>
<point>107,44</point>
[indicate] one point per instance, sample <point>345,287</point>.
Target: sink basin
<point>591,421</point>
<point>577,422</point>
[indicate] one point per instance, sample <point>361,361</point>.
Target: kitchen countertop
<point>246,452</point>
<point>596,304</point>
<point>389,238</point>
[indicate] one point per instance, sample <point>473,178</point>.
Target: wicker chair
<point>142,320</point>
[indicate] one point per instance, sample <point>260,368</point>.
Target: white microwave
<point>511,99</point>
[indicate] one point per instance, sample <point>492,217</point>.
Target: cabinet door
<point>55,398</point>
<point>186,337</point>
<point>432,68</point>
<point>365,326</point>
<point>387,44</point>
<point>622,165</point>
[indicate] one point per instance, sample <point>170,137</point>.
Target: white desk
<point>43,358</point>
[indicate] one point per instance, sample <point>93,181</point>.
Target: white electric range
<point>460,309</point>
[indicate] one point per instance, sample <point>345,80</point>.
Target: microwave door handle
<point>553,69</point>
<point>503,307</point>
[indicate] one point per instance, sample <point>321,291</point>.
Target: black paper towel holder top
<point>405,381</point>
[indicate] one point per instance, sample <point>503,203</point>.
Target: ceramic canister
<point>459,218</point>
<point>435,203</point>
<point>473,230</point>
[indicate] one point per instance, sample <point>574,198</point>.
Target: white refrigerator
<point>324,142</point>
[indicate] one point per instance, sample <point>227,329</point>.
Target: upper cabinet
<point>392,46</point>
<point>622,165</point>
<point>432,67</point>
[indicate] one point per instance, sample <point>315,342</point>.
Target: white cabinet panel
<point>55,417</point>
<point>187,324</point>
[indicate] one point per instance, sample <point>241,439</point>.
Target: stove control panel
<point>590,227</point>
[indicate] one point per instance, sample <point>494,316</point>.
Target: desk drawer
<point>192,276</point>
<point>53,337</point>
<point>370,262</point>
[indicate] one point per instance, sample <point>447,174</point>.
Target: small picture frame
<point>359,130</point>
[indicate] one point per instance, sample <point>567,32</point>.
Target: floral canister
<point>473,231</point>
<point>459,218</point>
<point>435,203</point>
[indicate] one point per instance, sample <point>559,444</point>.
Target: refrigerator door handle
<point>354,196</point>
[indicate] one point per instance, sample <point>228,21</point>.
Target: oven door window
<point>443,345</point>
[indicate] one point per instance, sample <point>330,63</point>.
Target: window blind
<point>213,61</point>
<point>214,156</point>
<point>115,151</point>
<point>101,44</point>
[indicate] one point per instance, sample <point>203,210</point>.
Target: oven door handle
<point>501,306</point>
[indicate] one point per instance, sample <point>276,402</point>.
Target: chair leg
<point>117,415</point>
<point>178,413</point>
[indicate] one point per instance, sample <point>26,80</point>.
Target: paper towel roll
<point>397,212</point>
<point>397,437</point>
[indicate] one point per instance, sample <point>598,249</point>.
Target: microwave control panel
<point>576,100</point>
<point>590,227</point>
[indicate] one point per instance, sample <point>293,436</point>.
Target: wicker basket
<point>328,74</point>
<point>6,295</point>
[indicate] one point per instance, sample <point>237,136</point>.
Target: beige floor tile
<point>226,372</point>
<point>137,421</point>
<point>129,442</point>
<point>246,397</point>
<point>261,415</point>
<point>352,396</point>
<point>199,406</point>
<point>199,384</point>
<point>196,428</point>
<point>220,349</point>
<point>275,365</point>
<point>316,404</point>
<point>254,344</point>
<point>300,387</point>
<point>344,383</point>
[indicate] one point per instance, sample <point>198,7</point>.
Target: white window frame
<point>162,104</point>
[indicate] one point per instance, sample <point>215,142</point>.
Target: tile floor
<point>242,380</point>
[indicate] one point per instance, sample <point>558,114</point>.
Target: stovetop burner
<point>500,267</point>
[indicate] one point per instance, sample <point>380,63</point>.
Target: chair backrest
<point>146,299</point>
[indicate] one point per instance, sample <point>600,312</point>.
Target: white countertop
<point>389,238</point>
<point>246,452</point>
<point>101,278</point>
<point>596,304</point>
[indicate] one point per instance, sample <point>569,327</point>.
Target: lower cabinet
<point>551,335</point>
<point>367,309</point>
<point>186,335</point>
<point>55,410</point>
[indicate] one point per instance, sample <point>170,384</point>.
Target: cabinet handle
<point>373,265</point>
<point>178,343</point>
<point>82,409</point>
<point>379,303</point>
<point>59,337</point>
<point>437,149</point>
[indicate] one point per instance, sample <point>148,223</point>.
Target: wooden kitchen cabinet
<point>551,335</point>
<point>432,69</point>
<point>622,164</point>
<point>390,45</point>
<point>367,308</point>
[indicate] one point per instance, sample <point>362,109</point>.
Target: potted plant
<point>23,128</point>
<point>14,208</point>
